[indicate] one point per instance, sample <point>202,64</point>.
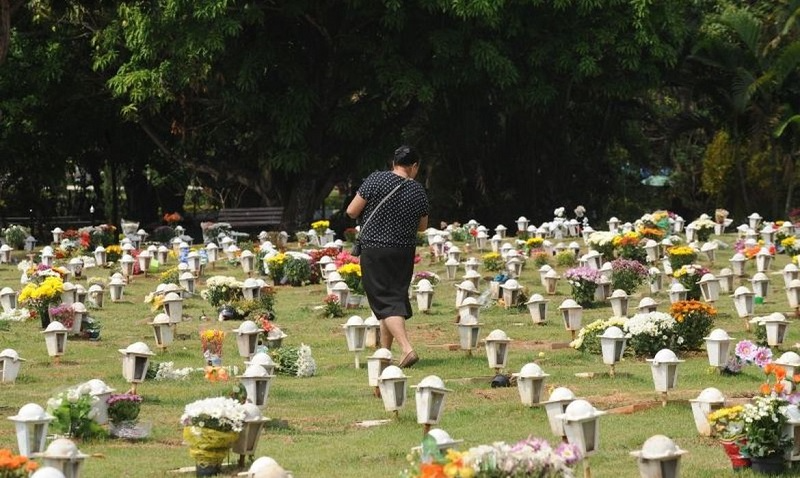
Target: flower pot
<point>732,449</point>
<point>769,465</point>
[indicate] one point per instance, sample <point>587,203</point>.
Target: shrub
<point>539,257</point>
<point>566,259</point>
<point>588,340</point>
<point>15,236</point>
<point>492,261</point>
<point>649,333</point>
<point>297,271</point>
<point>694,321</point>
<point>584,282</point>
<point>628,275</point>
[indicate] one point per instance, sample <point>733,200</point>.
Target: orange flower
<point>796,378</point>
<point>765,389</point>
<point>780,373</point>
<point>769,368</point>
<point>778,388</point>
<point>432,470</point>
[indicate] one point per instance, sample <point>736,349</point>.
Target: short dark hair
<point>405,156</point>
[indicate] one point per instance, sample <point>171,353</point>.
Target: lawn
<point>315,429</point>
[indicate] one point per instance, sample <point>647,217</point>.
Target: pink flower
<point>745,350</point>
<point>762,357</point>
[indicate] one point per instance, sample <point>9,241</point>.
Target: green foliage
<point>297,271</point>
<point>15,236</point>
<point>566,259</point>
<point>74,416</point>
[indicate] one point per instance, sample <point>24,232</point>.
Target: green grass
<point>320,436</point>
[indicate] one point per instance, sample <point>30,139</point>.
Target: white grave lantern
<point>321,263</point>
<point>664,367</point>
<point>790,361</point>
<point>81,294</point>
<point>792,430</point>
<point>144,261</point>
<point>511,289</point>
<point>613,224</point>
<point>372,335</point>
<point>763,260</point>
<point>79,313</point>
<point>522,224</point>
<point>75,266</point>
<point>55,338</point>
<point>709,287</point>
<point>537,307</point>
<point>497,349</point>
<point>5,254</point>
<point>62,454</point>
<point>514,264</point>
<point>665,244</point>
<point>646,305</point>
<point>430,396</point>
<point>551,278</point>
<point>126,265</point>
<point>424,295</point>
<point>443,440</point>
<point>341,291</point>
<point>659,457</point>
<point>451,267</point>
<point>68,293</point>
<point>718,347</point>
<point>677,224</point>
<point>47,257</point>
<point>575,248</point>
<point>530,383</point>
<point>173,307</point>
<point>754,220</point>
<point>581,426</point>
<point>248,261</point>
<point>691,232</point>
<point>651,248</point>
<point>464,290</point>
<point>606,271</point>
<point>265,467</point>
<point>187,281</point>
<point>586,232</point>
<point>8,299</point>
<point>555,406</point>
<point>355,332</point>
<point>656,280</point>
<point>255,381</point>
<point>677,292</point>
<point>163,331</point>
<point>251,289</point>
<point>790,273</point>
<point>474,277</point>
<point>116,287</point>
<point>725,277</point>
<point>100,393</point>
<point>30,243</point>
<point>30,424</point>
<point>480,239</point>
<point>612,346</point>
<point>438,245</point>
<point>96,295</point>
<point>468,325</point>
<point>135,361</point>
<point>500,230</point>
<point>142,235</point>
<point>10,363</point>
<point>710,250</point>
<point>275,338</point>
<point>162,254</point>
<point>760,283</point>
<point>543,271</point>
<point>793,293</point>
<point>738,262</point>
<point>776,325</point>
<point>253,423</point>
<point>263,360</point>
<point>495,243</point>
<point>709,400</point>
<point>471,263</point>
<point>743,301</point>
<point>392,384</point>
<point>572,314</point>
<point>195,263</point>
<point>454,253</point>
<point>593,259</point>
<point>619,303</point>
<point>332,280</point>
<point>231,252</point>
<point>247,338</point>
<point>376,363</point>
<point>212,251</point>
<point>667,266</point>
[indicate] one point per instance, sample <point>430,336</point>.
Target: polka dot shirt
<point>395,223</point>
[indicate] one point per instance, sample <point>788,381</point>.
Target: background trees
<point>517,106</point>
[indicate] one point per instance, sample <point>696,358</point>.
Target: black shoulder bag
<point>356,250</point>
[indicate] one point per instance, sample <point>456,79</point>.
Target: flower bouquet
<point>693,321</point>
<point>332,307</point>
<point>492,261</point>
<point>221,290</point>
<point>123,413</point>
<point>629,246</point>
<point>680,256</point>
<point>212,341</point>
<point>15,466</point>
<point>40,296</point>
<point>320,227</point>
<point>602,242</point>
<point>532,243</point>
<point>529,457</point>
<point>74,414</point>
<point>689,275</point>
<point>628,275</point>
<point>727,424</point>
<point>584,281</point>
<point>211,427</point>
<point>63,313</point>
<point>431,277</point>
<point>703,228</point>
<point>588,340</point>
<point>745,353</point>
<point>351,274</point>
<point>650,332</point>
<point>294,361</point>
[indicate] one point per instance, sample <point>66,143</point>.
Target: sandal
<point>409,360</point>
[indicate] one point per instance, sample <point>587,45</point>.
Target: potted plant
<point>123,413</point>
<point>727,424</point>
<point>211,427</point>
<point>764,421</point>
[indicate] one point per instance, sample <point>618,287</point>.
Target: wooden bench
<point>253,217</point>
<point>49,223</point>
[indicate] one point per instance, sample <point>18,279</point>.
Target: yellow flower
<point>277,259</point>
<point>350,268</point>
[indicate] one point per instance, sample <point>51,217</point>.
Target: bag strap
<point>381,204</point>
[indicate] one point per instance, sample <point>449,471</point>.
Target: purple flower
<point>746,350</point>
<point>583,274</point>
<point>762,356</point>
<point>569,453</point>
